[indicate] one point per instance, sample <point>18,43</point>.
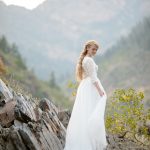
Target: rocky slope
<point>29,125</point>
<point>25,125</point>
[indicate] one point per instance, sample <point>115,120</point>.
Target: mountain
<point>14,72</point>
<point>51,36</point>
<point>126,63</point>
<point>36,38</point>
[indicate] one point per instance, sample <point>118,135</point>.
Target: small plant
<point>73,86</point>
<point>126,114</point>
<point>18,87</point>
<point>3,69</point>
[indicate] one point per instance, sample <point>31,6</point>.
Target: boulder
<point>26,125</point>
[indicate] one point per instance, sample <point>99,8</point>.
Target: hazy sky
<point>30,4</point>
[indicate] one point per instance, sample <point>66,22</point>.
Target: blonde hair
<point>79,68</point>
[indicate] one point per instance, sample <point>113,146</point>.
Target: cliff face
<point>28,125</point>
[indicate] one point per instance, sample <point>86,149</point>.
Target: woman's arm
<point>98,88</point>
<point>90,69</point>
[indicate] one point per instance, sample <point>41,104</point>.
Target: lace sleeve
<point>89,68</point>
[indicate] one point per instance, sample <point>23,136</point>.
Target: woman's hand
<point>101,93</point>
<point>98,88</point>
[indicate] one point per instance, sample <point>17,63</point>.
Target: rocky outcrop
<point>29,125</point>
<point>117,143</point>
<point>25,125</point>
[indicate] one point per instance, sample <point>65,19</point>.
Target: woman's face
<point>92,50</point>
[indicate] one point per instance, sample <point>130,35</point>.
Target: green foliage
<point>126,113</point>
<point>19,61</point>
<point>25,81</point>
<point>73,86</point>
<point>52,81</point>
<point>2,67</point>
<point>4,46</point>
<point>12,50</point>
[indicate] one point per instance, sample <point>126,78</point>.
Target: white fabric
<point>89,68</point>
<point>86,127</point>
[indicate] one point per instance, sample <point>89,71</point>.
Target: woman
<point>86,127</point>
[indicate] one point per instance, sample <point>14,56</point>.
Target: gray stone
<point>5,94</point>
<point>27,126</point>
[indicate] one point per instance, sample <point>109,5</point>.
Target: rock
<point>5,94</point>
<point>46,104</point>
<point>64,116</point>
<point>7,113</point>
<point>50,115</point>
<point>25,110</point>
<point>24,125</point>
<point>116,143</point>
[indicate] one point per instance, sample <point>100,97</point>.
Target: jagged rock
<point>64,116</point>
<point>117,143</point>
<point>50,115</point>
<point>5,94</point>
<point>25,110</point>
<point>24,125</point>
<point>7,113</point>
<point>46,104</point>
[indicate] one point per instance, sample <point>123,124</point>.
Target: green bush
<point>126,114</point>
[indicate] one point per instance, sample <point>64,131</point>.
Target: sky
<point>29,4</point>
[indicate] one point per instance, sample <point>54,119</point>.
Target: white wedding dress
<point>86,127</point>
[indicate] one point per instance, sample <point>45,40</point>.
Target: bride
<point>86,127</point>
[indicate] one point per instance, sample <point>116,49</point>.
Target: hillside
<point>23,79</point>
<point>126,64</point>
<point>36,39</point>
<point>55,31</point>
<point>45,44</point>
<point>27,124</point>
